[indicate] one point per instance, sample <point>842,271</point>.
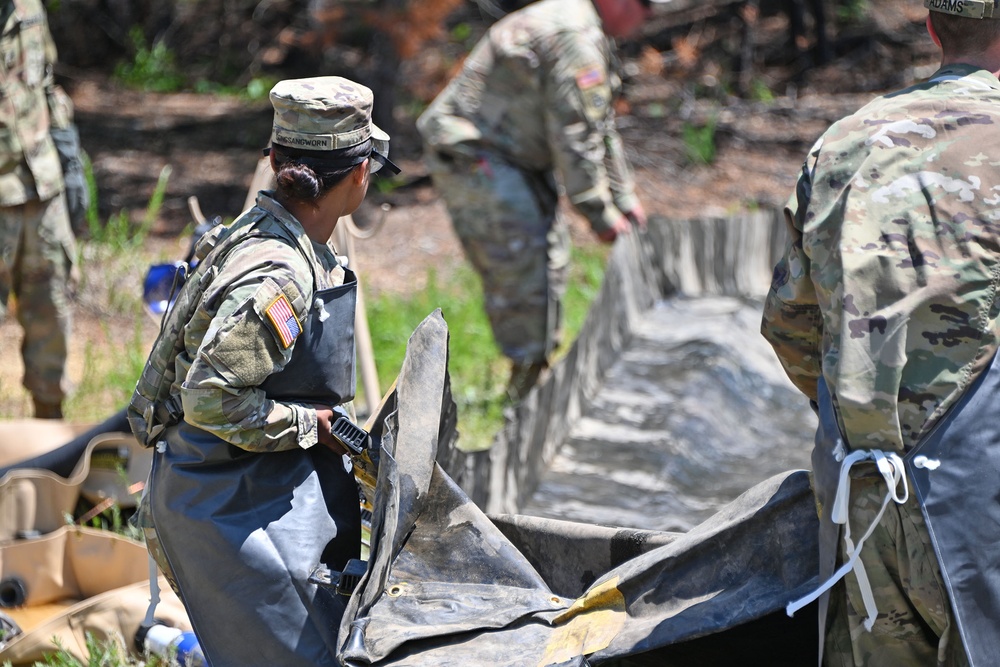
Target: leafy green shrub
<point>699,142</point>
<point>152,69</point>
<point>759,92</point>
<point>852,12</point>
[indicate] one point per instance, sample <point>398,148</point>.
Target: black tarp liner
<point>449,586</point>
<point>63,459</point>
<point>673,259</point>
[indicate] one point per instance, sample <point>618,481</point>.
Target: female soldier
<point>248,492</point>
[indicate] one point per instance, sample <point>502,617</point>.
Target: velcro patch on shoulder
<point>283,320</point>
<point>588,77</point>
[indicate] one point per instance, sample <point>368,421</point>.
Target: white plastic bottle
<point>180,647</point>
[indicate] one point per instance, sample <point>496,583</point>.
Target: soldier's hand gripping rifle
<point>354,438</point>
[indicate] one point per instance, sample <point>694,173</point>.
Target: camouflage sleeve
<point>51,54</point>
<point>241,348</point>
<point>792,321</point>
<point>619,172</point>
<point>60,105</point>
<point>579,121</point>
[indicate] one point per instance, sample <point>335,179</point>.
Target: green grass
<point>477,368</point>
<point>760,92</point>
<point>112,264</point>
<point>101,653</point>
<point>119,232</point>
<point>110,373</point>
<point>699,142</point>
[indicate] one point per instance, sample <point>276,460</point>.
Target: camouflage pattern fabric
<point>37,249</point>
<point>29,162</point>
<point>507,221</point>
<point>533,100</point>
<point>888,286</point>
<point>537,90</point>
<point>887,291</point>
<point>905,580</point>
<point>323,114</point>
<point>143,520</point>
<point>229,345</point>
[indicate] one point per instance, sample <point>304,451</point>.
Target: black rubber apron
<point>242,531</point>
<point>959,496</point>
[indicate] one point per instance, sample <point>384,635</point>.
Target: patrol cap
<point>973,9</point>
<point>323,113</point>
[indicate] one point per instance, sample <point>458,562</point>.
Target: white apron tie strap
<point>154,592</point>
<point>894,474</point>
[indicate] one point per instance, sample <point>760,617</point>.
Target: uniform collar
<point>267,202</point>
<point>958,71</point>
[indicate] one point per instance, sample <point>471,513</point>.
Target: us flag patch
<point>284,320</point>
<point>587,78</point>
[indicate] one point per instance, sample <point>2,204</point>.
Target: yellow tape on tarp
<point>589,625</point>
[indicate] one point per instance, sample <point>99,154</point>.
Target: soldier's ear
<point>360,172</point>
<point>932,32</point>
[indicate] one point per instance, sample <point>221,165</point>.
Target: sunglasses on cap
<point>324,160</point>
<point>381,159</point>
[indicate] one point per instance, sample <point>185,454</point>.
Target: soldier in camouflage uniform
<point>248,491</point>
<point>534,99</point>
<point>38,147</point>
<point>884,312</point>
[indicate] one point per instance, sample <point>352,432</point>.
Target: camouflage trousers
<point>915,624</point>
<point>508,222</point>
<point>37,255</point>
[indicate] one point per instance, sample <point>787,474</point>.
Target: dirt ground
<point>212,144</point>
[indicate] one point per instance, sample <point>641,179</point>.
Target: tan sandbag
<point>89,581</point>
<point>73,562</point>
<point>22,439</point>
<point>115,615</point>
<point>108,456</point>
<point>33,499</point>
